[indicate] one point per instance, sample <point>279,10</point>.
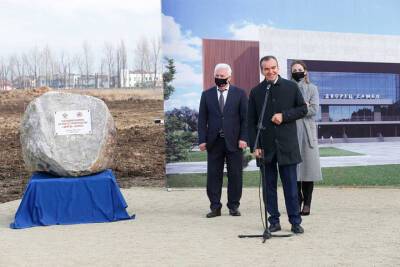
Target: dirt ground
<point>347,227</point>
<point>139,155</point>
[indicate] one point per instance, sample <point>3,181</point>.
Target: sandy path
<point>348,227</point>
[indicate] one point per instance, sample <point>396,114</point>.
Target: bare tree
<point>46,59</point>
<point>4,72</point>
<point>71,67</point>
<point>156,50</point>
<point>27,74</point>
<point>55,72</point>
<point>13,71</point>
<point>9,70</point>
<point>41,66</point>
<point>118,68</point>
<point>142,57</point>
<point>17,65</point>
<point>79,63</point>
<point>63,69</point>
<point>29,70</point>
<point>102,72</point>
<point>109,61</point>
<point>87,61</point>
<point>122,60</point>
<point>34,63</point>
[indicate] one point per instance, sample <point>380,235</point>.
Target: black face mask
<point>221,82</point>
<point>298,76</point>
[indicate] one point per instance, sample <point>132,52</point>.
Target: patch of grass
<point>197,156</point>
<point>250,179</point>
<point>378,175</point>
<point>323,152</point>
<point>336,152</point>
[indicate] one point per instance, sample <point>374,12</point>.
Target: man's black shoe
<point>234,212</point>
<point>274,227</point>
<point>297,229</point>
<point>214,213</point>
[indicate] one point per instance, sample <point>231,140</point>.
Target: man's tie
<point>221,100</point>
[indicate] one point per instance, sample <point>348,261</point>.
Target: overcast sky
<point>64,25</point>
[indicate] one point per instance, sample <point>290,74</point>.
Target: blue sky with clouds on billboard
<point>186,22</point>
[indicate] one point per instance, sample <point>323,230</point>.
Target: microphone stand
<point>261,163</point>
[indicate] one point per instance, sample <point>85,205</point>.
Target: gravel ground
<point>347,227</point>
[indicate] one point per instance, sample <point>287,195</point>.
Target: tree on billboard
<point>168,77</point>
<point>178,140</point>
<point>180,124</point>
<point>180,129</point>
<point>187,116</point>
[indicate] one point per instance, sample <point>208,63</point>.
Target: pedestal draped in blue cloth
<point>52,200</point>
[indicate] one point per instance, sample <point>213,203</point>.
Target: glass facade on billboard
<point>351,113</point>
<point>353,85</point>
<point>357,99</point>
<point>385,85</point>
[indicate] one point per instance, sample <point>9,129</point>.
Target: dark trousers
<point>216,157</point>
<point>305,190</point>
<point>288,174</point>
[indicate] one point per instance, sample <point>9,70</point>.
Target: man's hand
<point>258,153</point>
<point>242,144</point>
<point>202,146</point>
<point>277,118</point>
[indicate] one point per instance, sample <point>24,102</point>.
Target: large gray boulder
<point>67,135</point>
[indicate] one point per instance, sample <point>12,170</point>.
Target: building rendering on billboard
<point>358,76</point>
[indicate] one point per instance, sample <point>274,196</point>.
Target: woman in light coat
<point>309,170</point>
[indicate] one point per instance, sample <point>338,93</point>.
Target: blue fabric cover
<point>52,200</point>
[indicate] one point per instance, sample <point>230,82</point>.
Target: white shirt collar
<point>274,82</point>
<point>227,88</point>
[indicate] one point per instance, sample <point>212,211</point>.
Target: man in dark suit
<point>222,130</point>
<point>278,143</point>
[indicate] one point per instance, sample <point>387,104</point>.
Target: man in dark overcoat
<point>278,146</point>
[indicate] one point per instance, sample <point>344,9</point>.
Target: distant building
<point>64,81</point>
<point>134,79</point>
<point>23,82</point>
<point>71,81</point>
<point>127,79</point>
<point>94,81</point>
<point>6,86</point>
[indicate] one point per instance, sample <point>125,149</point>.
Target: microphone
<point>260,125</point>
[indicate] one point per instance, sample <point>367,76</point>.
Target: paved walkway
<point>345,228</point>
<point>375,153</point>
